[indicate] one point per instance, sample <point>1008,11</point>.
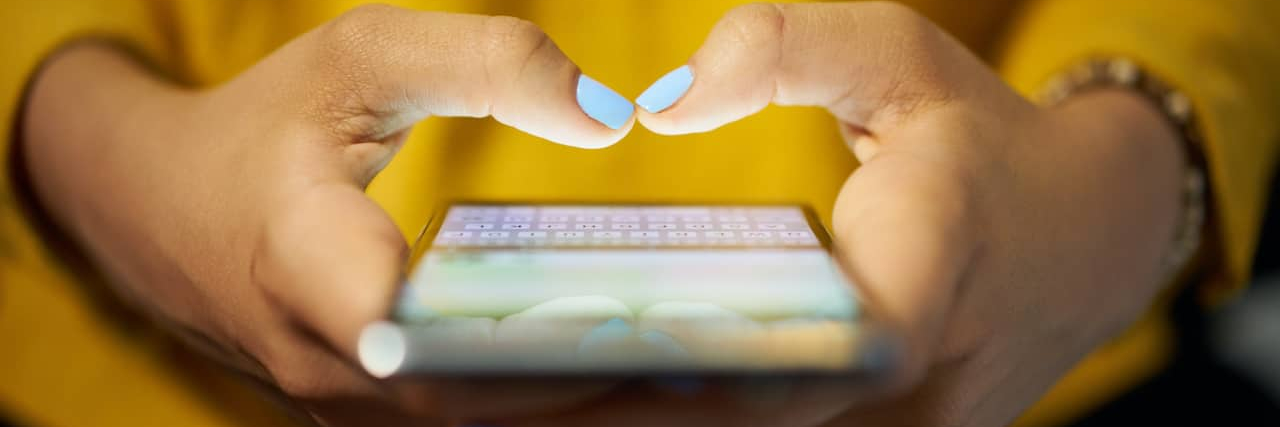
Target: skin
<point>1001,239</point>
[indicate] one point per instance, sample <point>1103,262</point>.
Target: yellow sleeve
<point>34,30</point>
<point>66,361</point>
<point>1224,54</point>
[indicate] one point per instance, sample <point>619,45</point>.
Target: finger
<point>388,68</point>
<point>859,60</point>
<point>978,392</point>
<point>333,261</point>
<point>904,229</point>
<point>327,259</point>
<point>332,258</point>
<point>556,331</point>
<point>379,70</point>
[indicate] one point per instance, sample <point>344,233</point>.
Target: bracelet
<point>1176,107</point>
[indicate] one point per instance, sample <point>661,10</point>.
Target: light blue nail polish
<point>613,331</point>
<point>665,343</point>
<point>603,104</point>
<point>667,90</point>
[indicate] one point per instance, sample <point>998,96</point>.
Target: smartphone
<point>565,289</point>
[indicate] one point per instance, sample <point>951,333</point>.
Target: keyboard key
<point>779,218</point>
<point>683,210</point>
<point>475,218</point>
<point>644,226</point>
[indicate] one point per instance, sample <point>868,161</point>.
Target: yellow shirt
<point>68,359</point>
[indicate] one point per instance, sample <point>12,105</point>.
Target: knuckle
<point>893,12</point>
<point>921,59</point>
<point>345,68</point>
<point>755,23</point>
<point>513,42</point>
<point>911,29</point>
<point>353,31</point>
<point>511,45</point>
<point>514,31</point>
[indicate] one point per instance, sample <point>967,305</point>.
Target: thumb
<point>865,62</point>
<point>340,254</point>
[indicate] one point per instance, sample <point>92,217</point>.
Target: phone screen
<point>522,288</point>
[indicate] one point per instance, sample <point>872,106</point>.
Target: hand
<point>1003,241</point>
<point>236,215</point>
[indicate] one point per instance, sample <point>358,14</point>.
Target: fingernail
<point>880,355</point>
<point>612,331</point>
<point>668,345</point>
<point>667,90</point>
<point>603,104</point>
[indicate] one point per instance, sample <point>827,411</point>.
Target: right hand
<point>237,214</point>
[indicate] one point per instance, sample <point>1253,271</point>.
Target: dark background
<point>1227,368</point>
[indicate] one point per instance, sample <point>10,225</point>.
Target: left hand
<point>1003,240</point>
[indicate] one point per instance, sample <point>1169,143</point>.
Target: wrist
<point>1131,142</point>
<point>88,112</point>
<point>1178,113</point>
<point>1129,114</point>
